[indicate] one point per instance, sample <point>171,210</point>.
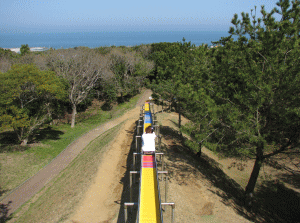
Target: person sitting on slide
<point>148,141</point>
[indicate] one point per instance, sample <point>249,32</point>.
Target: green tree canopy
<point>173,68</point>
<point>27,96</point>
<point>24,49</point>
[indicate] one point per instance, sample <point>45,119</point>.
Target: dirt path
<point>23,193</point>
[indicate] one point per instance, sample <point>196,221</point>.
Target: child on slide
<point>148,141</point>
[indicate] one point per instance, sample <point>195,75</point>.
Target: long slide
<point>149,206</point>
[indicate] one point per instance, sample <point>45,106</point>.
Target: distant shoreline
<point>107,39</point>
<point>33,49</point>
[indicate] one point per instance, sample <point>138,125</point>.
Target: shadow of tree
<point>107,106</point>
<point>47,133</point>
<point>230,191</point>
<point>175,123</point>
<point>125,98</point>
<point>293,179</point>
<point>8,137</point>
<point>9,141</point>
<point>277,203</point>
<point>4,209</point>
<point>169,133</point>
<point>291,174</point>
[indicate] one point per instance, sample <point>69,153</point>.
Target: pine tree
<point>257,87</point>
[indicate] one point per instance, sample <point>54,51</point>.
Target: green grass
<point>19,165</point>
<point>59,199</point>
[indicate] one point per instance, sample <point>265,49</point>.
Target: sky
<point>96,15</point>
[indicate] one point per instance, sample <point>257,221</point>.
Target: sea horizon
<point>93,39</point>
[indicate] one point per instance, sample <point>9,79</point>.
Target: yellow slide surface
<point>147,106</point>
<point>149,209</point>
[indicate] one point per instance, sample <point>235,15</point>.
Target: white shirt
<point>148,142</point>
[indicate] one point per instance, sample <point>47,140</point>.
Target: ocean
<point>97,39</point>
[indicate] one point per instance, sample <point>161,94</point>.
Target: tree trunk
<point>24,142</point>
<point>198,154</point>
<point>253,178</point>
<point>73,116</point>
<point>122,99</point>
<point>254,175</point>
<point>179,119</point>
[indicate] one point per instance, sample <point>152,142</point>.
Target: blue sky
<point>95,15</point>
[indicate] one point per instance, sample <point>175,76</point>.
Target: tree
<point>24,49</point>
<point>196,103</point>
<point>174,63</point>
<point>129,70</point>
<point>6,59</point>
<point>255,84</point>
<point>27,96</point>
<point>82,68</point>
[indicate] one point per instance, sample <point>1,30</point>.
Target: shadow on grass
<point>4,216</point>
<point>132,211</point>
<point>9,141</point>
<point>47,133</point>
<point>107,106</point>
<point>125,98</point>
<point>281,205</point>
<point>4,209</point>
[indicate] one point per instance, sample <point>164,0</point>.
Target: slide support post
<point>136,143</point>
<point>173,210</point>
<point>130,183</point>
<point>126,204</point>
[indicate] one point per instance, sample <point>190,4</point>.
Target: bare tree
<point>40,60</point>
<point>81,67</point>
<point>5,64</point>
<point>130,70</point>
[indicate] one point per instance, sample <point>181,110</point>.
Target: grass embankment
<point>17,164</point>
<point>58,199</point>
